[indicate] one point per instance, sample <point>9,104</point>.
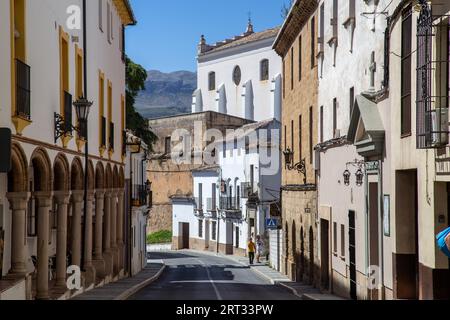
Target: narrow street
<point>195,276</point>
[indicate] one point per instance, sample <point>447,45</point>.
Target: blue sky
<point>168,31</point>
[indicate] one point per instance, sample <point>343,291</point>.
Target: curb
<point>301,296</point>
<point>129,292</point>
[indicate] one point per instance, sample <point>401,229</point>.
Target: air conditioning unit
<point>439,127</point>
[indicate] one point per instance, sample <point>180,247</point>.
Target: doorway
<point>237,238</point>
<point>325,254</point>
<point>207,233</point>
<point>184,228</point>
<point>374,233</point>
<point>352,253</point>
<point>406,258</point>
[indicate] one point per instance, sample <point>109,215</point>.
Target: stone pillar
<point>18,203</point>
<point>99,205</point>
<point>44,202</point>
<point>98,261</point>
<point>62,200</point>
<point>113,210</point>
<point>120,219</point>
<point>107,254</point>
<point>88,235</point>
<point>77,201</point>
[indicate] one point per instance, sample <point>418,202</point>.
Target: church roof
<point>243,39</point>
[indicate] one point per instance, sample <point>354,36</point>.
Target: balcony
<point>141,196</point>
<point>111,136</point>
<point>230,204</point>
<point>23,91</point>
<point>198,207</point>
<point>211,204</point>
<point>103,132</point>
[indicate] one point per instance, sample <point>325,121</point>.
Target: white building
<point>231,200</point>
<point>240,76</point>
<point>351,59</point>
<point>139,202</point>
<point>43,56</point>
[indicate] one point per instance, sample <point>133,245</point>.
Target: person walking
<point>251,248</point>
<point>259,248</point>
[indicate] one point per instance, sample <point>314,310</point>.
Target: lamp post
<point>82,108</point>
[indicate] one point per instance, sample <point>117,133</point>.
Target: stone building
<point>296,44</point>
<point>46,65</point>
<point>170,178</point>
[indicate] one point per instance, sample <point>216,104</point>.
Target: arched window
<point>237,75</point>
<point>212,81</point>
<point>264,70</point>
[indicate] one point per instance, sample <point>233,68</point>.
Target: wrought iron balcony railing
<point>23,90</point>
<point>141,196</point>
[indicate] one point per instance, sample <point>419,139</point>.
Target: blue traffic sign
<point>272,223</point>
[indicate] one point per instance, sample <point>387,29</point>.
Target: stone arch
<point>77,175</point>
<point>108,177</point>
<point>61,173</point>
<point>42,170</point>
<point>91,176</point>
<point>18,175</point>
<point>99,176</point>
<point>121,177</point>
<point>115,178</point>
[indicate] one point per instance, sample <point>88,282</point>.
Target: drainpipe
<point>381,228</point>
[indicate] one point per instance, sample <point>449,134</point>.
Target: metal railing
<point>141,196</point>
<point>23,90</point>
<point>230,203</point>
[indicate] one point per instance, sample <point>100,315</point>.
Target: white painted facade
<point>45,21</point>
<point>345,62</point>
<point>261,98</point>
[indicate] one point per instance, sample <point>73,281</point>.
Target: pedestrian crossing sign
<point>272,223</point>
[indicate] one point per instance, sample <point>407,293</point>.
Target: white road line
<point>219,297</point>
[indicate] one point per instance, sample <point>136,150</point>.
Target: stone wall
<point>160,218</point>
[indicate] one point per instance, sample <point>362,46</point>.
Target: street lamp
<point>82,108</point>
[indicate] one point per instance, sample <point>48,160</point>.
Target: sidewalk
<point>124,288</point>
<point>303,291</point>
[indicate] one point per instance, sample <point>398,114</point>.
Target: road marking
<point>205,281</point>
<point>219,297</point>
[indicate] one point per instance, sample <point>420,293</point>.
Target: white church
<point>240,77</point>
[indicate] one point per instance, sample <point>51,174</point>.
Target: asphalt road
<point>194,276</point>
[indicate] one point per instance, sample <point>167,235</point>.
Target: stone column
<point>99,204</point>
<point>120,219</point>
<point>18,203</point>
<point>113,211</point>
<point>77,201</point>
<point>88,235</point>
<point>62,200</point>
<point>44,202</point>
<point>107,253</point>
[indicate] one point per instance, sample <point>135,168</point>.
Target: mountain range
<point>166,94</point>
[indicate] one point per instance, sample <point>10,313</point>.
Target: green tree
<point>135,82</point>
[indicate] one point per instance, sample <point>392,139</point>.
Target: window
<point>79,72</point>
<point>292,68</point>
<point>200,228</point>
<point>321,124</point>
<point>352,100</point>
<point>102,126</point>
<point>200,196</point>
<point>351,9</point>
<point>342,241</point>
<point>111,125</point>
<point>311,142</point>
<point>313,42</point>
<point>213,196</point>
<point>300,58</point>
<point>214,230</point>
<point>284,79</point>
<point>264,70</point>
<point>334,19</point>
<point>300,139</point>
<point>100,15</point>
<point>292,136</point>
<point>108,21</point>
<point>212,81</point>
<point>237,75</point>
<point>252,178</point>
<point>285,138</point>
<point>167,145</point>
<point>122,43</point>
<point>224,149</point>
<point>322,28</point>
<point>406,72</point>
<point>66,107</point>
<point>334,118</point>
<point>335,238</point>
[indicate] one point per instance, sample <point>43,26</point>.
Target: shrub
<point>164,236</point>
